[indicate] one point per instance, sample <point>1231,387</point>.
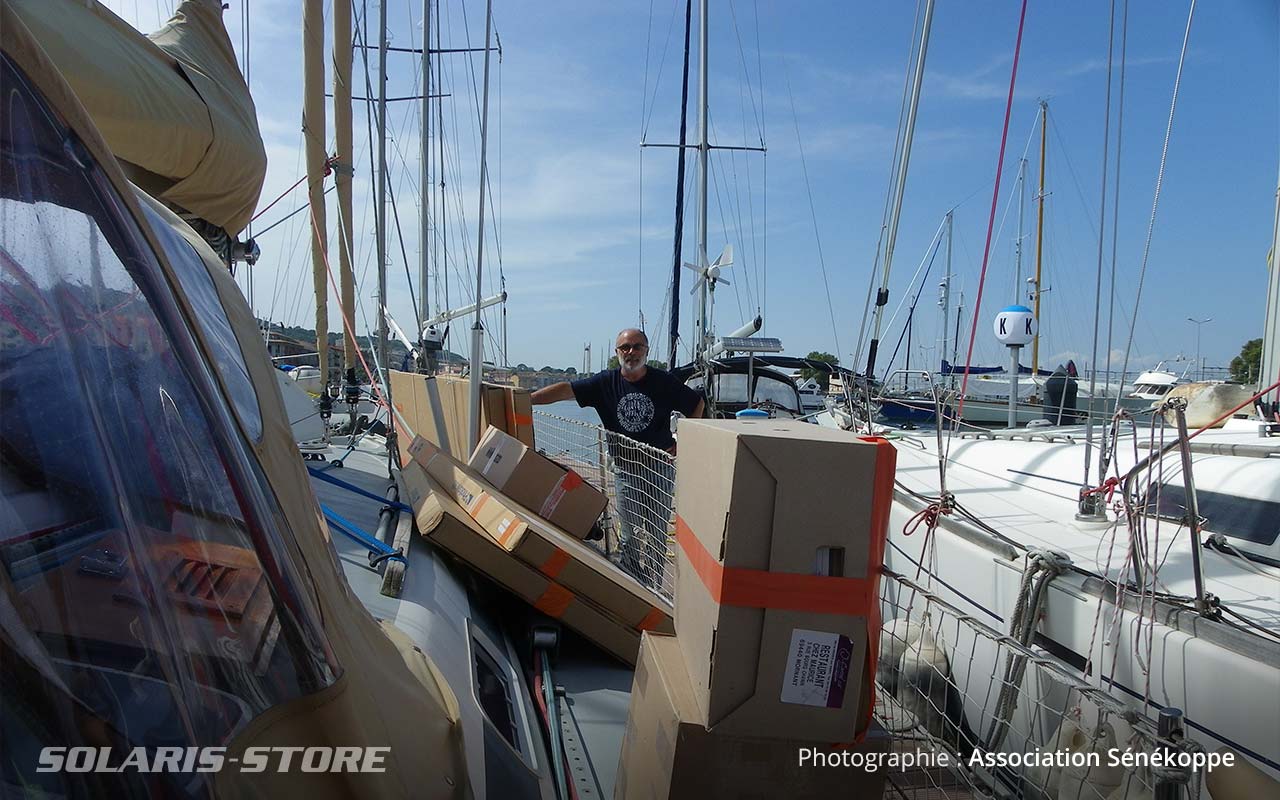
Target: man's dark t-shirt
<point>640,410</point>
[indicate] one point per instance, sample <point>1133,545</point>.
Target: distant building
<point>287,350</point>
<point>538,380</point>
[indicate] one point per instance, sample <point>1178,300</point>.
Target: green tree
<point>1246,367</point>
<point>571,370</point>
<point>522,367</point>
<point>809,372</point>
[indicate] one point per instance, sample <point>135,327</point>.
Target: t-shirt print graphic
<point>635,412</point>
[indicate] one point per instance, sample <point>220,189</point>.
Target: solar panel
<point>751,344</point>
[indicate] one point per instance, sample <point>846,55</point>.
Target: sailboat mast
<point>314,136</point>
<point>1270,362</point>
<point>701,350</point>
<point>1035,343</point>
<point>676,258</point>
<point>442,210</point>
<point>946,293</point>
<point>477,329</point>
<point>344,169</point>
<point>380,207</point>
<point>882,297</point>
<point>1022,207</point>
<point>424,175</point>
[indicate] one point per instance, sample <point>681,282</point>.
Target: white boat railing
<point>972,706</point>
<point>639,481</point>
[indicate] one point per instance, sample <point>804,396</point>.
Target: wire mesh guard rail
<point>973,713</point>
<point>639,481</point>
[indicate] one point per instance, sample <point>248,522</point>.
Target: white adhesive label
<point>553,500</point>
<point>495,456</point>
<point>817,669</point>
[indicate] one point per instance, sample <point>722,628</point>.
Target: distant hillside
<point>395,349</point>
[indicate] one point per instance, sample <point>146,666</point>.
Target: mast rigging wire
<point>1097,292</point>
<point>991,219</point>
<point>888,197</point>
<point>813,215</point>
<point>1155,202</point>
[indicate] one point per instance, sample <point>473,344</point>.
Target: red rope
<point>928,516</point>
<point>1109,486</point>
<point>991,221</point>
<point>328,170</point>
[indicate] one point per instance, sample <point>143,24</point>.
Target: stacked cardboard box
<point>444,522</point>
<point>539,546</point>
<point>780,532</point>
<point>439,409</point>
<point>557,493</point>
<point>668,753</point>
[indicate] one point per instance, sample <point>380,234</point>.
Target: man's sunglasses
<point>627,348</point>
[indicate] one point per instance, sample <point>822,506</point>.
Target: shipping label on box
<point>667,753</point>
<point>780,535</point>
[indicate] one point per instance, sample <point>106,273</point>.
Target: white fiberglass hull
<point>1227,682</point>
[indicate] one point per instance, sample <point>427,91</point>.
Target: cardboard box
<point>445,523</point>
<point>552,552</point>
<point>439,409</point>
<point>780,531</point>
<point>556,493</point>
<point>666,753</point>
<point>519,413</point>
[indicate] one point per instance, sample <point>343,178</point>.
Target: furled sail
<point>173,106</point>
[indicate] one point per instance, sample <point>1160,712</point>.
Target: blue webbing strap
<point>373,544</point>
<point>315,473</point>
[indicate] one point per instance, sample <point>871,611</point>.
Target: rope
<point>991,219</point>
<point>1042,567</point>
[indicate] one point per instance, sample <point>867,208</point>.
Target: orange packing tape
<point>523,419</point>
<point>554,601</point>
<point>555,563</point>
<point>757,588</point>
<point>477,504</point>
<point>881,500</point>
<point>651,620</point>
<point>571,481</point>
<point>508,528</point>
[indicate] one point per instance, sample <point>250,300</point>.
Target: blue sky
<point>584,217</point>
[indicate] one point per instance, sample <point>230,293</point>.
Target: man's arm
<point>697,412</point>
<point>552,394</point>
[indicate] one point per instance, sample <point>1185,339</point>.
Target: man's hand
<point>552,394</point>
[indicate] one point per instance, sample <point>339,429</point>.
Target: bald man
<point>636,401</point>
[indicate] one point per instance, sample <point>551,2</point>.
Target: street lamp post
<point>1198,323</point>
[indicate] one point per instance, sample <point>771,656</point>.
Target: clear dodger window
<point>148,591</point>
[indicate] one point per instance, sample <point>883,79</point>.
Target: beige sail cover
<point>174,105</point>
<point>389,693</point>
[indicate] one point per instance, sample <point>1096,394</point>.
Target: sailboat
<point>1141,561</point>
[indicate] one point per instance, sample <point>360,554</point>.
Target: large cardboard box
<point>439,409</point>
<point>780,531</point>
<point>667,753</point>
<point>552,552</point>
<point>556,493</point>
<point>445,523</point>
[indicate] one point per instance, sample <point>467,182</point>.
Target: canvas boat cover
<point>141,399</point>
<point>173,105</point>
